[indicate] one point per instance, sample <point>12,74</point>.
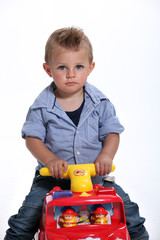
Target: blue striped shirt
<point>79,144</point>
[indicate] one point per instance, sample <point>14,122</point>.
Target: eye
<point>79,66</point>
<point>61,67</point>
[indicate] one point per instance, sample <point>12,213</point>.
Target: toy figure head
<point>69,214</point>
<point>100,212</point>
<point>84,211</point>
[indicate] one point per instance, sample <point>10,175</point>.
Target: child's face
<point>69,70</point>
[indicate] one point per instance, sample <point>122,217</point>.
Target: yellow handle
<point>79,174</point>
<point>113,168</point>
<point>46,172</point>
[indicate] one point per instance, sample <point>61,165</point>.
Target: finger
<point>97,168</point>
<point>65,165</point>
<point>56,173</point>
<point>52,171</point>
<point>60,171</point>
<point>109,169</point>
<point>101,169</point>
<point>106,169</point>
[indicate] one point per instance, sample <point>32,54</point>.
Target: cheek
<point>58,76</point>
<point>83,77</point>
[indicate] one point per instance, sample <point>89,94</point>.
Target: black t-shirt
<point>75,115</point>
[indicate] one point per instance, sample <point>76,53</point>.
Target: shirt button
<point>78,153</point>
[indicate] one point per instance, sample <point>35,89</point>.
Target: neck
<point>69,102</point>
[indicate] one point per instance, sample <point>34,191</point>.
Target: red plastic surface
<point>99,196</point>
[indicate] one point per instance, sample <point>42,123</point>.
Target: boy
<point>70,122</point>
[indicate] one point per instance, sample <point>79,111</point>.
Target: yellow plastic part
<point>80,175</point>
<point>45,172</point>
<point>113,168</point>
<point>84,194</point>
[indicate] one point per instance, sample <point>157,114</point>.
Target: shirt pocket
<point>93,129</point>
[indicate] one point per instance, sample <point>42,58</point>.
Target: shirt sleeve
<point>34,125</point>
<point>109,122</point>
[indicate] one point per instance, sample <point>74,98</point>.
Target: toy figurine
<point>69,218</point>
<point>100,216</point>
<point>84,215</point>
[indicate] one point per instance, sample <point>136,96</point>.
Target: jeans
<point>25,224</point>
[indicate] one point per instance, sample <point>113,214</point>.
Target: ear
<point>91,67</point>
<point>47,69</point>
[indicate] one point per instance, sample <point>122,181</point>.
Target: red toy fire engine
<point>85,212</point>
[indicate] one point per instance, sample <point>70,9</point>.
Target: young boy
<point>70,122</point>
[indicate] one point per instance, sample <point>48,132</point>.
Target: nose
<point>70,73</point>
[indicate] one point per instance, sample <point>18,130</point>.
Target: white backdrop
<point>125,36</point>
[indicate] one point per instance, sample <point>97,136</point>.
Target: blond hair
<point>69,38</point>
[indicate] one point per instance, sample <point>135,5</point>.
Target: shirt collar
<point>47,98</point>
<point>95,94</point>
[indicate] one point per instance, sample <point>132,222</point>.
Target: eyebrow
<point>61,63</point>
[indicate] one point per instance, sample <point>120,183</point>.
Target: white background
<point>126,37</point>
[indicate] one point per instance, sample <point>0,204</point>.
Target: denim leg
<point>24,225</point>
<point>134,222</point>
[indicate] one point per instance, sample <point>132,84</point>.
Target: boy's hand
<point>103,164</point>
<point>57,166</point>
<point>104,161</point>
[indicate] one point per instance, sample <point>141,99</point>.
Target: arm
<point>104,161</point>
<point>45,156</point>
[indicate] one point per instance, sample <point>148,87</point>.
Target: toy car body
<point>57,202</point>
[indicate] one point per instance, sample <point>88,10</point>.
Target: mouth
<point>70,84</point>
